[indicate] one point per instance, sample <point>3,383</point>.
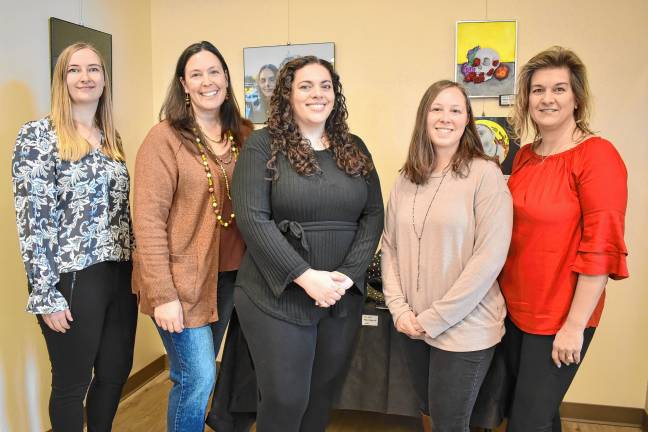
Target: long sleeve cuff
<point>591,263</point>
<point>46,300</point>
<point>432,322</point>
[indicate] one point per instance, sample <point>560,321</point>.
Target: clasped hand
<point>409,325</point>
<point>326,288</point>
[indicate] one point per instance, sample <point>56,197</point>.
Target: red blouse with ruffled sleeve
<point>568,218</point>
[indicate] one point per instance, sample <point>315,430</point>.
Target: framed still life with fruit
<point>486,57</point>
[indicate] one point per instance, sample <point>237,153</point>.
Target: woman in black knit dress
<point>308,203</point>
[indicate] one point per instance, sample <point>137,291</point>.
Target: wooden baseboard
<point>588,413</point>
<point>144,375</point>
<point>603,414</point>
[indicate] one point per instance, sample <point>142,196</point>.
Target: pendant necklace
<point>419,236</point>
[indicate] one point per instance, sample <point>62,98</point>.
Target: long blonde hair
<point>554,57</point>
<point>71,145</point>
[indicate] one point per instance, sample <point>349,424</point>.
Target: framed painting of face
<point>261,66</point>
<point>497,139</point>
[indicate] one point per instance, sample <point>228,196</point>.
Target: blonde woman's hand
<point>58,321</point>
<point>168,316</point>
<point>409,325</point>
<point>567,345</point>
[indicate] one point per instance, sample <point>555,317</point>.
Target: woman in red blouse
<point>569,190</point>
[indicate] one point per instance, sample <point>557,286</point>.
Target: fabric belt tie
<point>297,229</point>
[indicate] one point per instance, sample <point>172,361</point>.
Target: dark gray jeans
<point>447,383</point>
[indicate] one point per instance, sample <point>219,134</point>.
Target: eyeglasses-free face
<point>206,82</point>
<point>551,99</point>
<point>447,118</point>
<point>85,77</point>
<point>312,96</point>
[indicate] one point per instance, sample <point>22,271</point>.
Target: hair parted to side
<point>421,158</point>
<point>71,145</point>
<point>288,140</point>
<point>551,58</point>
<point>181,117</point>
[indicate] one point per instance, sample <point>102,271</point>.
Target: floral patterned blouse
<point>70,215</point>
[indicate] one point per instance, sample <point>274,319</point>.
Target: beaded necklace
<point>210,177</point>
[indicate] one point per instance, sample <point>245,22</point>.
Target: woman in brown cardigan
<point>188,245</point>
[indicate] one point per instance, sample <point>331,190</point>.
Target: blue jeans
<point>192,362</point>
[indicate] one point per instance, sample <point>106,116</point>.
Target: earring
<point>187,99</point>
<point>227,95</point>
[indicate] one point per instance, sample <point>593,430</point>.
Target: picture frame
<point>64,33</point>
<point>486,57</point>
<point>261,66</point>
<point>498,140</point>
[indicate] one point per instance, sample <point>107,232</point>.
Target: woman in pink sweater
<point>447,232</point>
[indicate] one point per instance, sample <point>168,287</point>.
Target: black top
<point>328,221</point>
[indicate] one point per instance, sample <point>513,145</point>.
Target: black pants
<point>446,382</point>
<point>298,368</point>
<point>101,338</point>
<point>539,386</point>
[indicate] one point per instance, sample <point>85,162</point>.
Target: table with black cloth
<point>377,380</point>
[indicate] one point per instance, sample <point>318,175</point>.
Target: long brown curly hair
<point>421,158</point>
<point>288,140</point>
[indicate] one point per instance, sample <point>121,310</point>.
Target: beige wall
<point>388,52</point>
<point>24,95</point>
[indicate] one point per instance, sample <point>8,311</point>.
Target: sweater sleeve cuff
<point>398,311</point>
<point>432,322</point>
<point>159,297</point>
<point>279,287</point>
<point>591,263</point>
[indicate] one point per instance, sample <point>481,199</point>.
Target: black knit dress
<point>328,221</point>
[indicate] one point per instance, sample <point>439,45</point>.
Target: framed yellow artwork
<point>486,57</point>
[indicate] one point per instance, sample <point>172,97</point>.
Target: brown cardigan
<point>176,233</point>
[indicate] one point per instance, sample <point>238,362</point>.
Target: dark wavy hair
<point>421,159</point>
<point>288,140</point>
<point>180,116</point>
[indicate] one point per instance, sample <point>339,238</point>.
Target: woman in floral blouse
<point>71,190</point>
